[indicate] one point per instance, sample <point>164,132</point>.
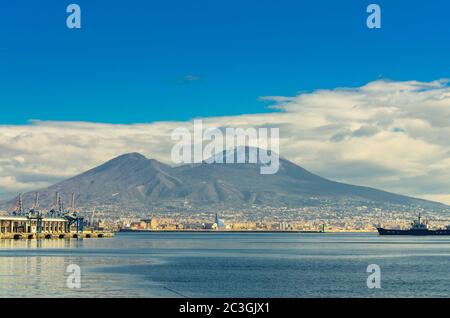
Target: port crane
<point>57,211</point>
<point>72,216</point>
<point>57,206</point>
<point>18,209</point>
<point>35,209</point>
<point>35,213</point>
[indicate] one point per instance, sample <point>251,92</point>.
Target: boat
<point>417,228</point>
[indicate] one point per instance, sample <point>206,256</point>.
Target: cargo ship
<point>417,228</point>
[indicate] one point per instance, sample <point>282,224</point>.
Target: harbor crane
<point>57,211</point>
<point>18,209</point>
<point>54,210</point>
<point>72,216</point>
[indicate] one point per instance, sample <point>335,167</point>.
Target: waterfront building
<point>19,226</point>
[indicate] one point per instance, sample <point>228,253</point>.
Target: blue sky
<point>143,61</point>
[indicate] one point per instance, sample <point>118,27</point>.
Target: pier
<point>36,224</point>
<point>25,227</point>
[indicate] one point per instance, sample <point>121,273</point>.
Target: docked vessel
<point>417,228</point>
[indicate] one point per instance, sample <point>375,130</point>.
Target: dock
<point>26,227</point>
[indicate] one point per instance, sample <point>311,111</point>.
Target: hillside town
<point>329,218</point>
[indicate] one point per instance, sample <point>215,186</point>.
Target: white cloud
<point>386,134</point>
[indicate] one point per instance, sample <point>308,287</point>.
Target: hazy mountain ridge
<point>134,180</point>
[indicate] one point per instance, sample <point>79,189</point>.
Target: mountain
<point>132,180</point>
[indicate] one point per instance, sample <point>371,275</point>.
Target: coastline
<point>214,231</point>
<point>238,231</point>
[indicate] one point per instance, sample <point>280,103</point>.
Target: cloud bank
<point>386,134</point>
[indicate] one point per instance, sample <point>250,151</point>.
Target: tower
<point>217,219</point>
<point>219,222</point>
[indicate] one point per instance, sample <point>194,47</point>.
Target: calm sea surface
<point>227,265</point>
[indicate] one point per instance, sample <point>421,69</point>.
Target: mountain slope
<point>132,180</point>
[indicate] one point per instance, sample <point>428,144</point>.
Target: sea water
<point>227,265</point>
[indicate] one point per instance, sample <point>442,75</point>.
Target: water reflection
<point>37,268</point>
<point>226,265</point>
<point>42,243</point>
